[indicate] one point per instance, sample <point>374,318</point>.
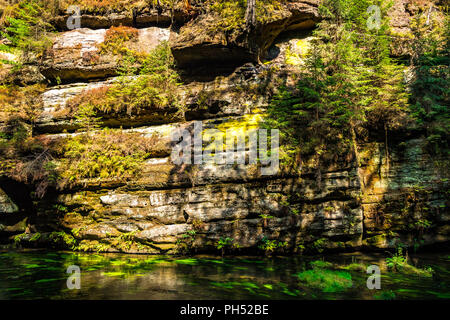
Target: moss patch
<point>326,280</point>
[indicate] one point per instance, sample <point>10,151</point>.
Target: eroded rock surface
<point>362,202</point>
<point>6,204</point>
<point>76,54</point>
<point>200,42</point>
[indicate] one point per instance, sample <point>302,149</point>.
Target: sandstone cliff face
<point>75,54</point>
<point>362,202</point>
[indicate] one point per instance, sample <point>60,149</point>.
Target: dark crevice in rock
<point>19,193</point>
<point>76,75</point>
<point>185,215</point>
<point>13,223</point>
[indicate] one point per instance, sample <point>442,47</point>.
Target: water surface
<point>42,275</point>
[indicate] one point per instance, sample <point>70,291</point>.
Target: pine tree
<point>348,82</point>
<point>430,61</point>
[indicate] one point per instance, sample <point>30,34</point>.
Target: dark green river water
<point>43,275</point>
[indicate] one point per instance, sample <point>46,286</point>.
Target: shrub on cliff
<point>106,154</point>
<point>115,39</point>
<point>102,6</point>
<point>24,24</point>
<point>348,87</point>
<point>24,157</point>
<point>20,103</point>
<point>232,13</point>
<point>154,88</point>
<point>430,62</point>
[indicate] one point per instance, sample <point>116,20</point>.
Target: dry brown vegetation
<point>20,103</point>
<point>121,5</point>
<point>94,96</point>
<point>115,39</point>
<point>107,154</point>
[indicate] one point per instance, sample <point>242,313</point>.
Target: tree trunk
<point>250,14</point>
<point>387,146</point>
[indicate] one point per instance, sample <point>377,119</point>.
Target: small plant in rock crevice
<point>399,262</point>
<point>185,244</point>
<point>225,244</point>
<point>270,246</point>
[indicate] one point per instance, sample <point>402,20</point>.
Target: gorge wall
<point>362,201</point>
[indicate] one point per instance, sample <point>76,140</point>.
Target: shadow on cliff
<point>16,222</point>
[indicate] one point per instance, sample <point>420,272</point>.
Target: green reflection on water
<point>42,275</point>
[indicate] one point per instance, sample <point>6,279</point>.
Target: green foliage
<point>24,25</point>
<point>326,280</point>
<point>107,154</point>
<point>62,240</point>
<point>103,6</point>
<point>355,267</point>
<point>24,156</point>
<point>348,83</point>
<point>95,246</point>
<point>186,243</point>
<point>319,244</point>
<point>320,264</point>
<point>35,237</point>
<point>154,88</point>
<point>270,246</point>
<point>60,208</point>
<point>160,63</point>
<point>86,115</point>
<point>397,260</point>
<point>125,241</point>
<point>430,86</point>
<point>226,244</point>
<point>145,92</point>
<point>423,224</point>
<point>19,237</point>
<point>301,247</point>
<point>76,232</point>
<point>385,295</point>
<point>399,263</point>
<point>231,13</point>
<point>267,245</point>
<point>118,41</point>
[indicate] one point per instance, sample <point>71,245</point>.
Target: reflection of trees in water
<point>205,277</point>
